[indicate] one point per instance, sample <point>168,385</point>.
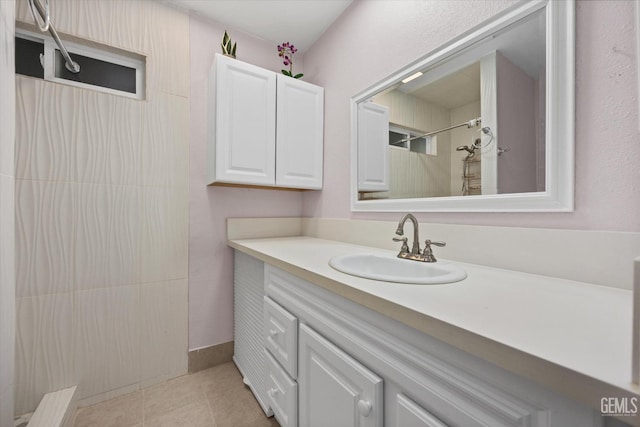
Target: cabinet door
<point>373,151</point>
<point>248,294</point>
<point>299,134</point>
<point>335,389</point>
<point>410,414</point>
<point>243,139</point>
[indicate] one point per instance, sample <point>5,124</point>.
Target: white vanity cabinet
<point>281,336</point>
<point>265,129</point>
<point>248,330</point>
<point>355,367</point>
<point>334,388</point>
<point>280,339</point>
<point>410,414</point>
<point>282,392</point>
<point>312,382</point>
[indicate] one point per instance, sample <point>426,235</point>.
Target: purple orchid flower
<point>286,51</point>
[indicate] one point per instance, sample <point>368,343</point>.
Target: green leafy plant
<point>227,48</point>
<point>286,51</point>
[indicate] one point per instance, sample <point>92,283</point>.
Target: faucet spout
<point>415,254</point>
<point>416,240</point>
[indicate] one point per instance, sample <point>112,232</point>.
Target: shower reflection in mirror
<point>475,108</point>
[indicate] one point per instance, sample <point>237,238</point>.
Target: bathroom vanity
<point>319,347</point>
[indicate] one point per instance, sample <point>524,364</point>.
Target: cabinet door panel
<point>299,130</point>
<point>244,123</point>
<point>334,388</point>
<point>373,151</point>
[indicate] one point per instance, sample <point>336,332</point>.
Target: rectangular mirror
<point>483,123</point>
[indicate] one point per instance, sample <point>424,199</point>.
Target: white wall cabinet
<point>373,151</point>
<point>299,134</point>
<point>265,129</point>
<point>242,123</point>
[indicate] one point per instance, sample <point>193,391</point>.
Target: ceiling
<point>455,90</point>
<point>523,43</point>
<point>300,22</point>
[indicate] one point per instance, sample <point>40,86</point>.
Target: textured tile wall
<point>7,233</point>
<point>102,213</point>
<point>414,175</point>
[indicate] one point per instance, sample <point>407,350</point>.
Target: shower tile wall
<point>461,136</point>
<point>7,189</point>
<point>411,174</point>
<point>102,212</point>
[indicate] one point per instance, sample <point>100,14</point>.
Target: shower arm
<point>471,123</point>
<point>70,64</point>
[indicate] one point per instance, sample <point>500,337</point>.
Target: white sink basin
<point>389,268</point>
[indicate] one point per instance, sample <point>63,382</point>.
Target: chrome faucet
<point>415,255</point>
<point>415,250</point>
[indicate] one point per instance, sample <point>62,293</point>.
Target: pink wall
<point>210,260</point>
<point>516,128</point>
<point>374,38</point>
<point>356,52</point>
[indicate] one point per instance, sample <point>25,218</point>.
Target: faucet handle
<point>428,253</point>
<point>405,246</point>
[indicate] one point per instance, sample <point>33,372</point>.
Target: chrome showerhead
<point>465,148</point>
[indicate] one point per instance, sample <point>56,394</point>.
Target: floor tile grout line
<point>206,399</point>
<point>217,379</point>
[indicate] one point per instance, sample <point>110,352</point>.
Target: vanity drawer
<point>409,413</point>
<point>281,335</point>
<point>282,393</point>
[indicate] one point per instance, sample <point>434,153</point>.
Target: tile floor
<point>215,397</point>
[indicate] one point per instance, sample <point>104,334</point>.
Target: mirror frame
<point>559,110</point>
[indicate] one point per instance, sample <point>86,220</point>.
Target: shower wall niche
<point>102,213</point>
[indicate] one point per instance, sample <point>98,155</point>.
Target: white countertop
<point>572,337</point>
